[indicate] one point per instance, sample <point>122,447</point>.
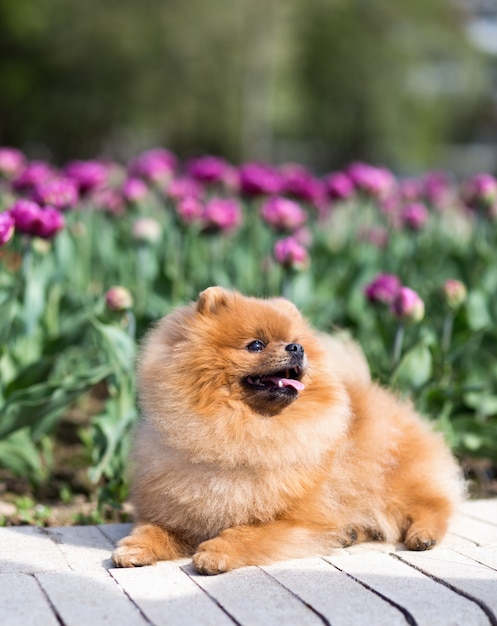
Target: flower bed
<point>93,252</point>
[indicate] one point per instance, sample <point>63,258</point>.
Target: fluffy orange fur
<point>234,471</point>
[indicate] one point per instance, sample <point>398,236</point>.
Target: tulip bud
<point>407,305</point>
<point>455,293</point>
<point>118,299</point>
<point>383,289</point>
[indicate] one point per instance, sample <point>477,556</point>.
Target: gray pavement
<point>65,576</point>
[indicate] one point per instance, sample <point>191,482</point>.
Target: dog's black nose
<point>296,348</point>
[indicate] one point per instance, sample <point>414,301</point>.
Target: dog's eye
<point>256,346</point>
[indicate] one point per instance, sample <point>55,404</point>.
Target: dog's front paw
<point>419,539</point>
<point>131,552</point>
<point>213,557</point>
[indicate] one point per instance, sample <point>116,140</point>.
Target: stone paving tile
<point>29,549</point>
<point>425,600</point>
<point>486,555</point>
<point>89,598</point>
<point>338,597</point>
<point>167,596</point>
<point>61,576</point>
<point>84,547</point>
<point>460,573</point>
<point>115,532</point>
<point>23,602</point>
<point>485,510</point>
<point>482,533</point>
<point>253,598</point>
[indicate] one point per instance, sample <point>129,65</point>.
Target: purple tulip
<point>437,189</point>
<point>298,182</point>
<point>25,213</point>
<point>134,190</point>
<point>283,214</point>
<point>61,193</point>
<point>373,181</point>
<point>33,175</point>
<point>480,192</point>
<point>7,226</point>
<point>210,169</point>
<point>88,175</point>
<point>49,223</point>
<point>414,216</point>
<point>338,186</point>
<point>290,254</point>
<point>383,289</point>
<point>222,214</point>
<point>190,210</point>
<point>258,179</point>
<point>407,305</point>
<point>12,162</point>
<point>31,219</point>
<point>156,165</point>
<point>180,188</point>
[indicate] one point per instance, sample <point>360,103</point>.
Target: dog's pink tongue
<point>287,382</point>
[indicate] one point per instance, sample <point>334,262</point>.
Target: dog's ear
<point>285,306</point>
<point>212,300</point>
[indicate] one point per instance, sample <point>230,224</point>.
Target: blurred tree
<point>320,80</point>
<point>383,80</point>
<point>80,77</point>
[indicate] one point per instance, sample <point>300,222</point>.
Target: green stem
<point>141,276</point>
<point>27,271</point>
<point>131,324</point>
<point>447,332</point>
<point>397,345</point>
<point>287,286</point>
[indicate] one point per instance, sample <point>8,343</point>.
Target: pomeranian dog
<point>263,439</point>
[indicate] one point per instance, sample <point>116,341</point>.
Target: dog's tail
<point>346,360</point>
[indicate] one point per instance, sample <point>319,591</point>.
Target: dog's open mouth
<point>286,381</point>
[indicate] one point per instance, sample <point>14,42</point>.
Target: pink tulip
<point>383,289</point>
<point>289,253</point>
<point>61,193</point>
<point>414,216</point>
<point>156,165</point>
<point>259,179</point>
<point>12,162</point>
<point>283,214</point>
<point>407,305</point>
<point>31,219</point>
<point>222,214</point>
